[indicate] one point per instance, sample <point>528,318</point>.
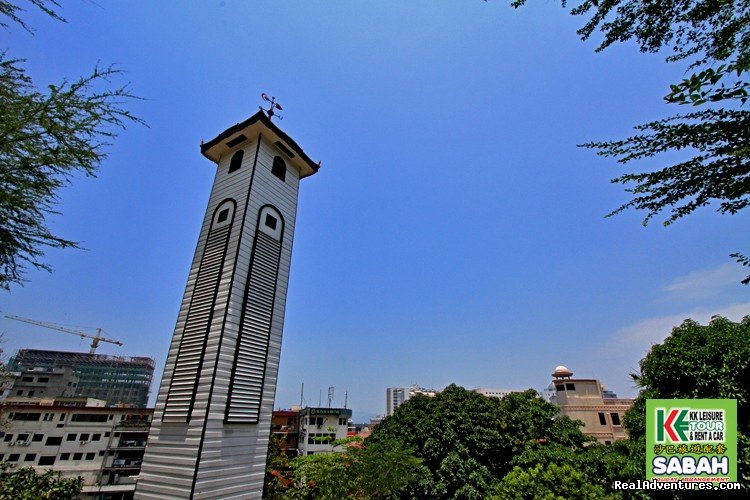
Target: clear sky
<point>455,233</point>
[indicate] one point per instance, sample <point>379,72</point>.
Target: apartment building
<point>78,437</point>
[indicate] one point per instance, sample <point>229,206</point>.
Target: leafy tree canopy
<point>468,440</point>
<point>699,361</point>
<point>26,484</point>
<point>363,470</point>
<point>46,137</point>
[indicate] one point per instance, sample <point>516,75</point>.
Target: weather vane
<point>274,105</point>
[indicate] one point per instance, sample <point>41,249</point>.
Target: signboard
<point>691,440</point>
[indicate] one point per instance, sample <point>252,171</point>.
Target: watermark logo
<point>691,440</point>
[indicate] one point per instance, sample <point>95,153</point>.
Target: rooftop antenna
<point>330,395</point>
<point>302,395</point>
<point>346,397</point>
<point>320,398</point>
<point>274,105</point>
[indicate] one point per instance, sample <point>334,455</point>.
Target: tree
<point>46,137</point>
<point>553,482</point>
<point>468,441</point>
<point>714,38</point>
<point>699,361</point>
<point>26,484</point>
<point>362,470</point>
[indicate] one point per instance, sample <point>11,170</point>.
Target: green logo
<point>691,440</point>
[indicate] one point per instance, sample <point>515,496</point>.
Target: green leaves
<point>26,484</point>
<point>45,138</point>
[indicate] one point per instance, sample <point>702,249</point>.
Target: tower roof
<point>259,123</point>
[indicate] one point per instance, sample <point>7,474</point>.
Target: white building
<point>320,427</point>
<point>495,393</point>
<point>103,445</point>
<point>213,412</point>
<point>396,396</point>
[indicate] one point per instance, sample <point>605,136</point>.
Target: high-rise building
<point>118,380</point>
<point>396,396</point>
<point>213,413</point>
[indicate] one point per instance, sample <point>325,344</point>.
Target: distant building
<point>320,427</point>
<point>396,396</point>
<point>118,380</point>
<point>285,426</point>
<point>495,393</point>
<point>104,445</point>
<point>41,382</point>
<point>586,400</point>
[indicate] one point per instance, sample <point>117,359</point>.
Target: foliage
<point>699,361</point>
<point>362,470</point>
<point>26,484</point>
<point>278,469</point>
<point>714,38</point>
<point>46,137</point>
<point>468,440</point>
<point>552,482</point>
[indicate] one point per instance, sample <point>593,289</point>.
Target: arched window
<point>236,161</point>
<point>279,168</point>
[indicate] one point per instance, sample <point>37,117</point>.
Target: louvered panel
<point>246,385</point>
<point>184,382</point>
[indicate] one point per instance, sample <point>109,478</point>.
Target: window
<point>77,456</point>
<point>90,456</point>
<point>38,437</point>
<point>342,421</point>
<point>88,417</point>
<point>236,162</point>
<point>19,393</point>
<point>602,419</point>
<point>27,379</point>
<point>47,460</point>
<point>42,380</point>
<point>271,221</point>
<point>22,437</point>
<point>570,387</point>
<point>279,168</point>
<point>30,457</point>
<point>48,417</point>
<point>85,437</point>
<point>2,455</point>
<point>53,441</point>
<point>64,456</point>
<point>96,437</point>
<point>31,393</point>
<point>62,417</point>
<point>607,442</point>
<point>106,434</point>
<point>223,215</point>
<point>8,437</point>
<point>615,418</point>
<point>71,437</point>
<point>13,457</point>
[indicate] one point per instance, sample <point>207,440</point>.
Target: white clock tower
<point>210,431</point>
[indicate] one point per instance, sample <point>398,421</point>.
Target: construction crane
<point>95,339</point>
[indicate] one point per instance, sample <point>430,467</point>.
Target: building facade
<point>396,396</point>
<point>41,382</point>
<point>586,400</point>
<point>495,393</point>
<point>103,445</point>
<point>212,419</point>
<point>321,427</point>
<point>118,380</point>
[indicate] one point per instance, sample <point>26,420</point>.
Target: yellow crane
<point>95,339</point>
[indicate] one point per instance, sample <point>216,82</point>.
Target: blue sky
<point>455,233</point>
